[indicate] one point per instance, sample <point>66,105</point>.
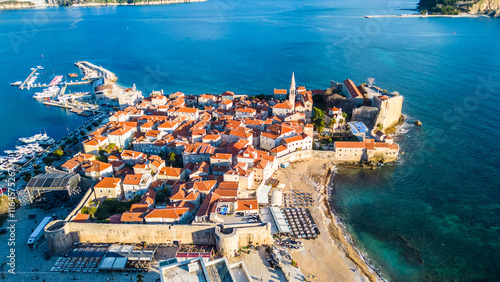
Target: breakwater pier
<point>28,78</point>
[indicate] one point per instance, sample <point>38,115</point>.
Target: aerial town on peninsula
<point>177,187</point>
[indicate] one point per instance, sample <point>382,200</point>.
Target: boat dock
<point>57,104</point>
<point>78,108</point>
<point>62,84</point>
<point>26,80</point>
<point>63,89</point>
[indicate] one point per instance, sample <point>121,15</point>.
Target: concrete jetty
<point>26,80</point>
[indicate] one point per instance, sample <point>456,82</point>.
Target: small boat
<point>73,75</point>
<point>39,67</point>
<point>10,152</point>
<point>17,83</point>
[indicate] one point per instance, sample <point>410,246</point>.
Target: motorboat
<point>49,141</point>
<point>17,83</point>
<point>38,150</point>
<point>17,159</point>
<point>6,167</point>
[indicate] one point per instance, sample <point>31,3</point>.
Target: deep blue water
<point>442,196</point>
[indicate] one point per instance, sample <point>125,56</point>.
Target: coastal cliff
<point>454,7</point>
<point>490,7</point>
<point>13,5</point>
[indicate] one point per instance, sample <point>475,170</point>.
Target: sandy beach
<point>330,257</point>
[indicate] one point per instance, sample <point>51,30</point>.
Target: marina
<point>54,93</point>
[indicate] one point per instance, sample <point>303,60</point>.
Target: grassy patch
<point>110,207</point>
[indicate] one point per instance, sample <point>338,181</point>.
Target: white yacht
<point>17,83</point>
<point>28,140</point>
<point>50,92</point>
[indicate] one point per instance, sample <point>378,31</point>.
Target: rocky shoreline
<point>340,233</point>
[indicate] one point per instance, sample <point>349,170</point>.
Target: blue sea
<point>432,216</point>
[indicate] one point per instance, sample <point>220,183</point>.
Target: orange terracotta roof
<point>139,207</point>
<point>232,193</point>
<point>228,185</point>
<point>108,182</point>
<point>171,213</point>
<point>132,179</point>
<point>131,154</point>
<point>81,217</point>
<point>278,149</point>
<point>187,110</point>
<point>222,156</point>
<point>247,204</point>
<point>293,139</point>
<point>204,186</point>
<point>97,166</point>
<point>132,217</point>
<point>351,87</point>
<point>350,144</point>
<point>284,105</point>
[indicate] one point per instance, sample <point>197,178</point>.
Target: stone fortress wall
<point>61,235</point>
<point>390,111</point>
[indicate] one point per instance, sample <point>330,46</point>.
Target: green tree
<point>318,114</point>
<point>59,152</point>
<point>319,125</point>
<point>331,124</point>
<point>48,160</point>
<point>102,158</point>
<point>136,199</point>
<point>26,176</point>
<point>84,210</point>
<point>172,157</point>
<point>140,278</point>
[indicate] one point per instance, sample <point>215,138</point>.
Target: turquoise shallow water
<point>442,196</point>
